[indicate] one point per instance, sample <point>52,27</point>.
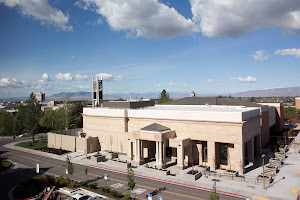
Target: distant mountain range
<point>275,92</point>
<point>278,92</point>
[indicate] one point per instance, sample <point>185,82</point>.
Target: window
<point>223,154</point>
<point>204,151</point>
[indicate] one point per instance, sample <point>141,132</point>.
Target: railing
<point>71,132</point>
<point>244,178</point>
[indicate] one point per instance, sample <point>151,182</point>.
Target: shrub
<point>92,185</point>
<point>127,197</point>
<point>193,172</point>
<point>72,184</point>
<point>84,183</point>
<point>115,193</point>
<point>105,189</point>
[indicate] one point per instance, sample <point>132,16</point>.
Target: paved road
<point>117,180</point>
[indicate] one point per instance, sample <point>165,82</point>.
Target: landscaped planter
<point>274,169</point>
<point>111,155</point>
<point>275,162</point>
<point>232,173</point>
<point>279,155</point>
<point>157,171</point>
<point>283,150</point>
<point>192,177</point>
<point>202,169</point>
<point>267,179</point>
<point>98,158</point>
<point>119,164</point>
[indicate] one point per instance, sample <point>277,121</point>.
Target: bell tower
<point>97,94</point>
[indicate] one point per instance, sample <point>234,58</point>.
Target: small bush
<point>93,185</point>
<point>115,193</point>
<point>72,184</point>
<point>105,189</point>
<point>84,183</point>
<point>127,197</point>
<point>193,172</point>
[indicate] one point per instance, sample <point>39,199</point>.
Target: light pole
<point>263,165</point>
<point>205,149</point>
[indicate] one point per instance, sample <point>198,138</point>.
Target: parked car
<point>23,135</point>
<point>80,196</point>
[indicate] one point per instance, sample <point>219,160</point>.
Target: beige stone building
<point>226,136</point>
<point>297,102</point>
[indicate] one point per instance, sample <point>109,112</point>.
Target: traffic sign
<point>149,196</point>
<point>37,168</point>
<point>105,176</point>
<point>160,198</point>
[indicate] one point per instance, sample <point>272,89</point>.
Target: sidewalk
<point>279,189</point>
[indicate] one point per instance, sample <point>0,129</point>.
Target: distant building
<point>297,102</point>
<point>40,97</point>
<point>192,94</point>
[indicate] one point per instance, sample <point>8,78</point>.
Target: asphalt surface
<point>116,180</point>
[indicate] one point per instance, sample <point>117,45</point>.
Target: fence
<point>248,179</point>
<point>71,132</point>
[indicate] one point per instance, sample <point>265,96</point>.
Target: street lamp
<point>263,165</point>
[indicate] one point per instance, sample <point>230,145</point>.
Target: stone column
<point>160,154</point>
<point>180,157</point>
<point>129,150</point>
<point>137,150</point>
<point>199,147</point>
<point>211,155</point>
<point>141,151</point>
<point>164,153</point>
<point>156,154</point>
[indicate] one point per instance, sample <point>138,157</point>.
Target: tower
<point>97,99</point>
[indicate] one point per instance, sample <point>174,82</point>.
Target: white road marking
<point>117,185</point>
<point>138,191</point>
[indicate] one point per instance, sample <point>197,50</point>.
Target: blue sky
<point>146,46</point>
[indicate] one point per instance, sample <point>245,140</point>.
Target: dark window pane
<point>223,154</point>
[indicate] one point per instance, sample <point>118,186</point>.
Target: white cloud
<point>219,18</point>
<point>64,77</point>
<point>13,83</point>
<point>147,18</point>
<point>82,87</point>
<point>45,81</point>
<point>73,57</point>
<point>260,56</point>
<point>170,84</point>
<point>210,80</point>
<point>45,77</point>
<point>82,77</point>
<point>290,52</point>
<point>248,79</point>
<point>42,11</point>
<point>109,77</point>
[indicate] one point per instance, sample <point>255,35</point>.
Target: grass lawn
<point>31,145</point>
<point>4,165</point>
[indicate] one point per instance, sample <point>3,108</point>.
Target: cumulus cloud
<point>232,18</point>
<point>109,77</point>
<point>64,77</point>
<point>82,87</point>
<point>210,80</point>
<point>248,79</point>
<point>260,56</point>
<point>289,52</point>
<point>45,81</point>
<point>147,18</point>
<point>41,11</point>
<point>82,77</point>
<point>13,83</point>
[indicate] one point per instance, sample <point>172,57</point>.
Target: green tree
<point>75,117</point>
<point>20,119</point>
<point>60,119</point>
<point>252,99</point>
<point>213,195</point>
<point>6,124</point>
<point>130,178</point>
<point>32,116</point>
<point>48,119</point>
<point>70,165</point>
<point>164,97</point>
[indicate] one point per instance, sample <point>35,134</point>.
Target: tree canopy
<point>164,97</point>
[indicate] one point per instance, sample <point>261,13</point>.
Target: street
<point>115,180</point>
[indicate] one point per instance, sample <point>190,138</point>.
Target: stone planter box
<point>202,169</point>
<point>283,150</point>
<point>275,162</point>
<point>280,155</point>
<point>268,180</point>
<point>119,164</point>
<point>192,177</point>
<point>110,156</point>
<point>273,170</point>
<point>233,174</point>
<point>156,171</point>
<point>100,158</point>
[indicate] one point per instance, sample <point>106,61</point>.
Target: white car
<point>80,196</point>
<point>23,135</point>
